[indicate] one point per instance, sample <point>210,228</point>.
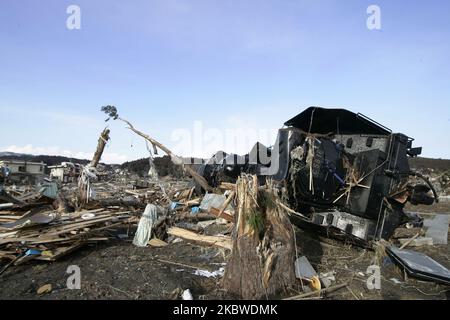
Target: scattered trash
<point>32,252</point>
<point>303,269</point>
<point>195,210</point>
<point>417,242</point>
<point>176,240</point>
<point>155,242</point>
<point>327,279</point>
<point>187,295</point>
<point>49,189</point>
<point>437,228</point>
<point>29,221</point>
<point>148,220</point>
<point>205,224</point>
<point>211,200</point>
<point>47,288</point>
<point>88,216</point>
<point>208,274</point>
<point>174,205</point>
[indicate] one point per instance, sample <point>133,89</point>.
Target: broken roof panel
<point>420,265</point>
<point>324,121</point>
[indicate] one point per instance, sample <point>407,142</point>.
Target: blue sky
<point>239,67</point>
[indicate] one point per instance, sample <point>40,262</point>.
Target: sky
<point>208,75</point>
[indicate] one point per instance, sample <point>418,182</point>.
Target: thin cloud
<point>66,119</point>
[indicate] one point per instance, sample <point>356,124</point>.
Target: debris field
<point>338,208</point>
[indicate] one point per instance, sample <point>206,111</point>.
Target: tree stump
<point>104,137</point>
<point>262,260</point>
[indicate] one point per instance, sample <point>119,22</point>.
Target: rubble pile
<point>43,225</point>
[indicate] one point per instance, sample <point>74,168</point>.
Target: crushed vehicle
<point>342,170</point>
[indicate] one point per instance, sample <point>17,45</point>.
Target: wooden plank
<point>318,293</point>
<point>218,241</point>
<point>227,202</point>
<point>418,242</point>
<point>10,217</point>
<point>227,186</point>
<point>191,203</point>
<point>75,226</point>
<point>408,241</point>
<point>52,236</point>
<point>40,240</point>
<point>59,252</point>
<point>407,233</point>
<point>6,205</point>
<point>155,242</point>
<point>223,215</point>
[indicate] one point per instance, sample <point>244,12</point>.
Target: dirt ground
<point>119,270</point>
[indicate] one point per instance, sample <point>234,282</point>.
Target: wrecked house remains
<point>342,170</point>
<point>65,172</point>
<point>22,171</point>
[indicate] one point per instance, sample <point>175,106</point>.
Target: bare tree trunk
<point>261,264</point>
<point>104,137</point>
<point>83,180</point>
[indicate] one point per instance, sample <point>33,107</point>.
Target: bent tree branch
<point>112,112</point>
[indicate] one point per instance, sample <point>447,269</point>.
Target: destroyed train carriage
<point>346,173</point>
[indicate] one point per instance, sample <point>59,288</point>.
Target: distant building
<point>23,171</point>
<point>24,167</point>
<point>65,172</point>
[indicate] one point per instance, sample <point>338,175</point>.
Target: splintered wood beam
<point>228,201</point>
<point>219,214</point>
<point>223,242</point>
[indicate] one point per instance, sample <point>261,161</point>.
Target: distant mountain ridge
<point>165,166</point>
<point>4,154</point>
<point>49,160</point>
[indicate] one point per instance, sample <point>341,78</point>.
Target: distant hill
<point>6,154</point>
<point>48,160</point>
<point>165,166</point>
<point>440,165</point>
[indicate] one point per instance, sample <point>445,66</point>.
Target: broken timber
<point>218,241</point>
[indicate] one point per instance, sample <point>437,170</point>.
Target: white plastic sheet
<point>145,226</point>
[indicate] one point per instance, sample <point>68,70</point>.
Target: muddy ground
<point>119,270</point>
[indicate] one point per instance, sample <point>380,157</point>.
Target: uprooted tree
<point>261,264</point>
<point>88,172</point>
<point>111,111</point>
